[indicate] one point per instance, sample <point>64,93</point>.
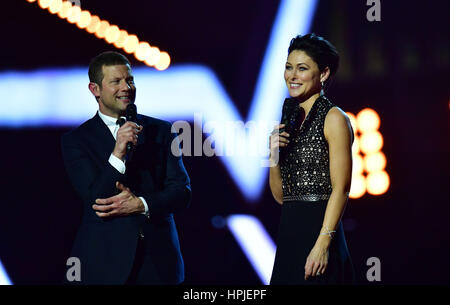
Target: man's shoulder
<point>81,129</point>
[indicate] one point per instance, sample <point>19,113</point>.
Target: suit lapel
<point>103,140</point>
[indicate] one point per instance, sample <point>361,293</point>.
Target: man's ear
<point>325,74</point>
<point>95,89</point>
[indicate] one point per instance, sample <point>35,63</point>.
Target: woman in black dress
<point>312,178</point>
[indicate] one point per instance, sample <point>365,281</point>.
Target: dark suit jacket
<point>106,246</point>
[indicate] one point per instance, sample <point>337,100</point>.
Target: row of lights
<point>369,162</point>
<point>112,34</point>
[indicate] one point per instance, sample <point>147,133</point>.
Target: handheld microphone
<point>131,113</point>
<point>289,115</point>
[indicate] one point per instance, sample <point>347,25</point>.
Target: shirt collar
<point>108,120</point>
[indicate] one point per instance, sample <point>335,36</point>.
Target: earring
<point>322,90</point>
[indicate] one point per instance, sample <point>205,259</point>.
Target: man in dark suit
<point>127,234</point>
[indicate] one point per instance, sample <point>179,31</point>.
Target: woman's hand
<point>277,140</point>
<point>317,260</point>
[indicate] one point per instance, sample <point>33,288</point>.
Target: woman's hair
<point>319,49</point>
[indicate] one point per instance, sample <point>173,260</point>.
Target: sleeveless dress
<point>306,187</point>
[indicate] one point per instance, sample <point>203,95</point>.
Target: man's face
<point>117,91</point>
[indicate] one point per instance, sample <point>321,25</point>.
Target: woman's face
<point>302,75</point>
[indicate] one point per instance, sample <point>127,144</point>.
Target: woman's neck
<point>308,103</point>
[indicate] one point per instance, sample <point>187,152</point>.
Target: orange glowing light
<point>375,162</point>
<point>357,165</point>
<point>142,51</point>
<point>119,43</point>
<point>44,4</point>
<point>355,146</point>
<point>85,19</point>
<point>164,61</point>
<point>112,34</point>
<point>75,14</point>
<point>368,120</point>
<point>55,6</point>
<point>371,142</point>
<point>65,10</point>
<point>377,183</point>
<point>154,56</point>
<point>358,186</point>
<point>100,33</point>
<point>94,24</point>
<point>131,44</point>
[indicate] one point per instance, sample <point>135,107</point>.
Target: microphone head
<point>131,112</point>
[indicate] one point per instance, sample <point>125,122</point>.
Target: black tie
<point>120,121</point>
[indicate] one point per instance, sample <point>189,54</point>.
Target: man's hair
<point>319,49</point>
<point>109,58</point>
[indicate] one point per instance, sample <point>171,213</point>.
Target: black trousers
<point>143,271</point>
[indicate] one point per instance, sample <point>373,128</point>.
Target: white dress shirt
<point>118,164</point>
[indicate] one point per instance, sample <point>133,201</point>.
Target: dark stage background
<point>398,66</point>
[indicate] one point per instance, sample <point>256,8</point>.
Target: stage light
<point>75,14</point>
<point>112,34</point>
<point>154,56</point>
<point>163,62</point>
<point>103,30</point>
<point>55,6</point>
<point>378,183</point>
<point>255,242</point>
<point>358,186</point>
<point>65,10</point>
<point>94,24</point>
<point>120,42</point>
<point>44,4</point>
<point>367,120</point>
<point>358,165</point>
<point>371,142</point>
<point>85,20</point>
<point>355,146</point>
<point>104,25</point>
<point>142,51</point>
<point>131,44</point>
<point>374,162</point>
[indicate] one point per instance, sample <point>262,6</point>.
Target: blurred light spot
<point>164,61</point>
<point>367,120</point>
<point>94,24</point>
<point>65,9</point>
<point>55,6</point>
<point>154,56</point>
<point>100,33</point>
<point>358,165</point>
<point>377,183</point>
<point>355,146</point>
<point>75,14</point>
<point>374,162</point>
<point>85,19</point>
<point>120,42</point>
<point>142,51</point>
<point>44,3</point>
<point>112,34</point>
<point>131,44</point>
<point>371,142</point>
<point>358,186</point>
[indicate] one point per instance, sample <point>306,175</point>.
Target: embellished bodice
<point>305,168</point>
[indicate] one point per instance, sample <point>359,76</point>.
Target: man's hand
<point>127,133</point>
<point>123,204</point>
